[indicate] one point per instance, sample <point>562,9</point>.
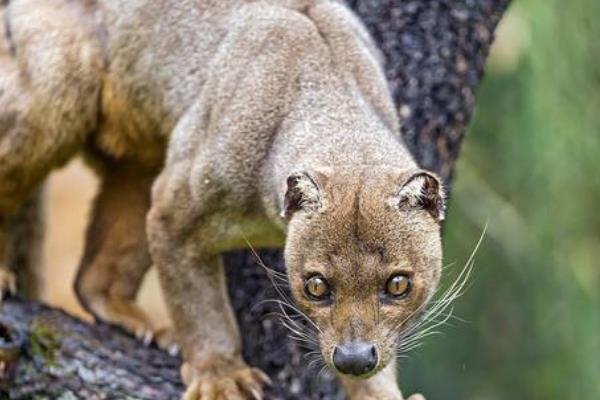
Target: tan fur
<point>228,100</point>
<point>357,241</point>
<point>116,253</point>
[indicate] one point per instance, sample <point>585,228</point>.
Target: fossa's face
<point>363,256</point>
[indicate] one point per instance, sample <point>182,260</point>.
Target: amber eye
<point>398,285</point>
<point>317,288</point>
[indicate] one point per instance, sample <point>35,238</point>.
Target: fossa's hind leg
<point>116,255</point>
<point>49,85</point>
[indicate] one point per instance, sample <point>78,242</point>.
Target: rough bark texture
<point>436,52</point>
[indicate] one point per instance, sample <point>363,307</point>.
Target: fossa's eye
<point>316,288</point>
<point>398,286</point>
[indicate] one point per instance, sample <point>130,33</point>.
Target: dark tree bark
<point>436,52</point>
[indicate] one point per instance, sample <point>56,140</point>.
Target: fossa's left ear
<point>423,190</point>
<point>303,193</point>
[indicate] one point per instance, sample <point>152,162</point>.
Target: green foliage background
<point>530,167</point>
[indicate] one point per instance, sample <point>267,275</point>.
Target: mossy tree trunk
<point>436,52</point>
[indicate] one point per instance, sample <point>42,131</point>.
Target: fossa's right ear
<point>303,192</point>
<point>423,190</point>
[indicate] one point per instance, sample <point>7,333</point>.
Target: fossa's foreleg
<point>193,281</point>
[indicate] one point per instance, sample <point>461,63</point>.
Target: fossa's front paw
<point>223,380</point>
<point>379,397</point>
<point>387,394</point>
<point>389,397</point>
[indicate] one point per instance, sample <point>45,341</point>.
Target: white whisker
<point>300,333</point>
<point>438,312</point>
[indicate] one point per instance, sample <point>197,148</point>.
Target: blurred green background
<point>530,167</point>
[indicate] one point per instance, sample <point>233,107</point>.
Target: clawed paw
<point>383,395</point>
<point>8,283</point>
<point>378,397</point>
<point>133,319</point>
<point>164,338</point>
<point>227,381</point>
<point>387,397</point>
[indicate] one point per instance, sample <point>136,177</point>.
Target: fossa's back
<point>162,54</point>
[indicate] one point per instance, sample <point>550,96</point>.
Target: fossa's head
<point>363,255</point>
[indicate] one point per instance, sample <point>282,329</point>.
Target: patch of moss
<point>44,343</point>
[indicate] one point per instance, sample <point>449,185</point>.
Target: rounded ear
<point>423,190</point>
<point>302,193</point>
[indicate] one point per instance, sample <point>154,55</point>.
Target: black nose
<point>355,358</point>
